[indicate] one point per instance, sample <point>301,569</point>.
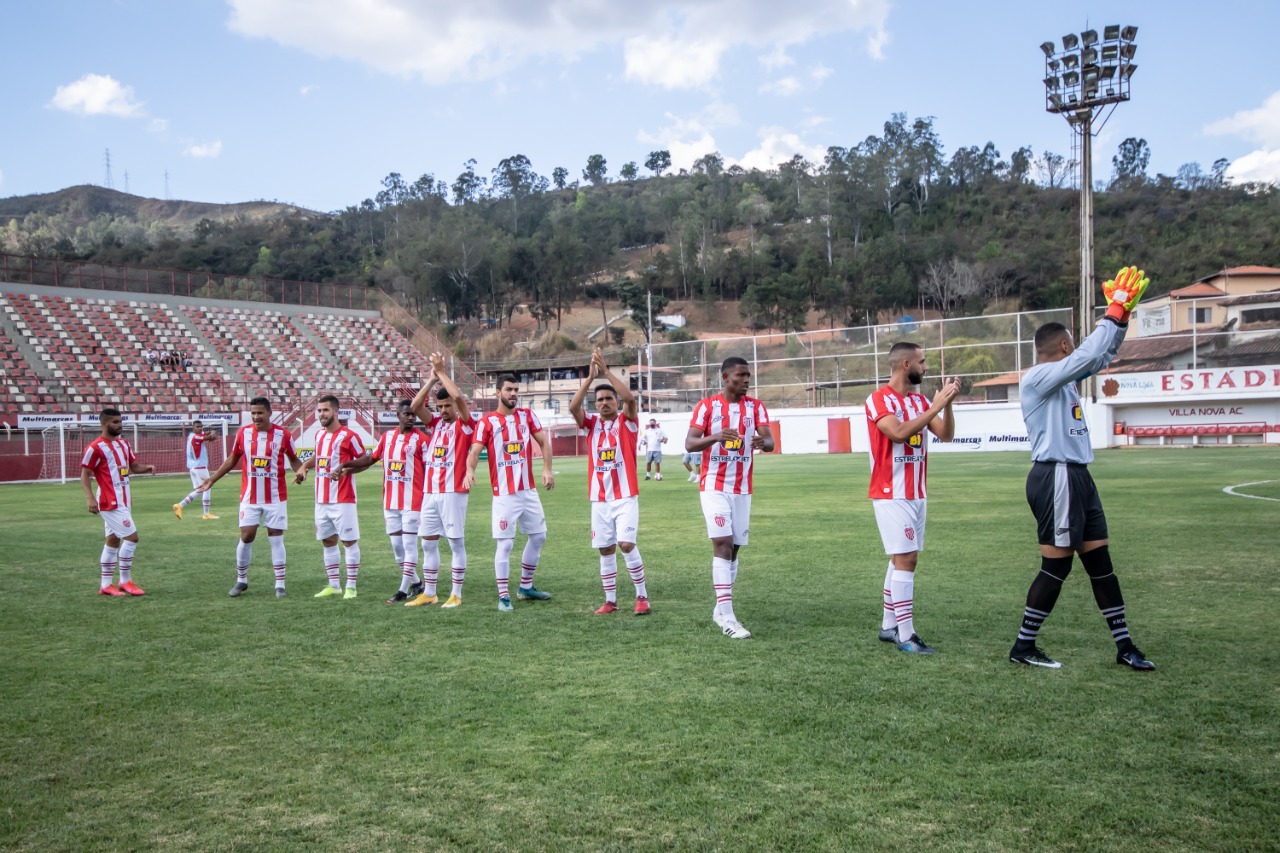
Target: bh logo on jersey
<point>395,468</point>
<point>124,472</point>
<point>440,452</point>
<point>732,444</point>
<point>260,465</point>
<point>915,440</point>
<point>608,454</point>
<point>1076,413</point>
<point>322,466</point>
<point>514,448</point>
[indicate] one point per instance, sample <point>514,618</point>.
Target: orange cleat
<point>642,607</point>
<point>131,588</point>
<point>608,607</point>
<point>111,590</point>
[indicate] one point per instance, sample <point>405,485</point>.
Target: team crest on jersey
<point>732,444</point>
<point>514,448</point>
<point>915,440</point>
<point>608,454</point>
<point>747,422</point>
<point>720,521</point>
<point>502,524</point>
<point>910,533</point>
<point>1076,413</point>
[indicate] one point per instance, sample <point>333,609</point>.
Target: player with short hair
<point>726,429</point>
<point>899,420</point>
<point>653,440</point>
<point>612,488</point>
<point>1060,491</point>
<point>335,512</point>
<point>198,468</point>
<point>693,464</point>
<point>401,452</point>
<point>506,435</point>
<point>262,447</point>
<point>108,461</point>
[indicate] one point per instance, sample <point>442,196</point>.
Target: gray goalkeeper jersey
<point>1051,405</point>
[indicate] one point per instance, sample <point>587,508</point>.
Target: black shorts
<point>1065,503</point>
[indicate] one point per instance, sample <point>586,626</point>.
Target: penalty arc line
<point>1231,490</point>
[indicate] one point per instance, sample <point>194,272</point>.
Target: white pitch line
<point>1231,490</point>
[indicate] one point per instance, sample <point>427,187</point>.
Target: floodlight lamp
<point>1070,41</point>
<point>1128,50</point>
<point>1129,33</point>
<point>1111,93</point>
<point>1088,37</point>
<point>1091,74</point>
<point>1110,53</point>
<point>1111,32</point>
<point>1091,92</point>
<point>1054,65</point>
<point>1056,100</point>
<point>1047,47</point>
<point>1088,56</point>
<point>1051,82</point>
<point>1071,60</point>
<point>1108,71</point>
<point>1071,78</point>
<point>1127,71</point>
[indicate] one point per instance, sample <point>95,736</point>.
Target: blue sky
<point>314,101</point>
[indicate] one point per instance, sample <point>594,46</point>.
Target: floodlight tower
<point>1083,82</point>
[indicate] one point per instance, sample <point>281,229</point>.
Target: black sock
<point>1106,592</point>
<point>1041,597</point>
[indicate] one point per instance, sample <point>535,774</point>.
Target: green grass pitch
<point>189,720</point>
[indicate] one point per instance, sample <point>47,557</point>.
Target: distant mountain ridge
<point>82,204</point>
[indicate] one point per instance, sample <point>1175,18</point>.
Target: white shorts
<point>198,475</point>
<point>117,522</point>
<point>401,520</point>
<point>444,514</point>
<point>726,515</point>
<point>614,521</point>
<point>274,516</point>
<point>901,524</point>
<point>339,520</point>
<point>523,509</point>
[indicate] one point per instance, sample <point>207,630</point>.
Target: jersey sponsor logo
<point>915,440</point>
<point>260,466</point>
<point>514,448</point>
<point>124,472</point>
<point>440,452</point>
<point>321,465</point>
<point>732,444</point>
<point>1076,414</point>
<point>608,455</point>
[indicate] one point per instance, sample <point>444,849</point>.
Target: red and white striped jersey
<point>445,454</point>
<point>403,474</point>
<point>333,449</point>
<point>197,456</point>
<point>263,467</point>
<point>898,471</point>
<point>611,469</point>
<point>726,465</point>
<point>109,460</point>
<point>508,439</point>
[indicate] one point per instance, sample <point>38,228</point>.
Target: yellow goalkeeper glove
<point>1124,291</point>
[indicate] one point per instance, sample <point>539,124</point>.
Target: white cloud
<point>670,43</point>
<point>200,150</point>
<point>776,58</point>
<point>158,125</point>
<point>784,87</point>
<point>98,94</point>
<point>306,90</point>
<point>876,42</point>
<point>819,73</point>
<point>777,146</point>
<point>815,121</point>
<point>1261,126</point>
<point>690,138</point>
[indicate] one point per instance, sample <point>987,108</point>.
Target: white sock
<point>207,502</point>
<point>353,564</point>
<point>888,620</point>
<point>126,560</point>
<point>635,568</point>
<point>397,549</point>
<point>244,553</point>
<point>903,585</point>
<point>107,566</point>
<point>529,558</point>
<point>458,564</point>
<point>190,497</point>
<point>733,570</point>
<point>409,544</point>
<point>277,558</point>
<point>609,576</point>
<point>502,565</point>
<point>430,566</point>
<point>331,563</point>
<point>722,580</point>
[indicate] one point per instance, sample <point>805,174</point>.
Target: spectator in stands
<point>186,359</point>
<point>150,356</point>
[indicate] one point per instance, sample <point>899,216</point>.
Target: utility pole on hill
<point>108,162</point>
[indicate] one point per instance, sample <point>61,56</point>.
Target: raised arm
<point>1094,353</point>
<point>899,431</point>
<point>630,406</point>
<point>944,427</point>
<point>580,396</point>
<point>459,401</point>
<point>419,403</point>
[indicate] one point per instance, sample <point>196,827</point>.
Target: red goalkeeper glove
<point>1124,291</point>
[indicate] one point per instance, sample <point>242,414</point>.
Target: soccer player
<point>653,440</point>
<point>262,447</point>
<point>109,461</point>
<point>401,453</point>
<point>335,512</point>
<point>444,506</point>
<point>726,429</point>
<point>897,420</point>
<point>692,464</point>
<point>612,487</point>
<point>1060,491</point>
<point>198,468</point>
<point>506,434</point>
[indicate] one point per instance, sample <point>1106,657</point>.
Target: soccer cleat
<point>349,594</point>
<point>733,629</point>
<point>646,476</point>
<point>400,596</point>
<point>1032,655</point>
<point>208,516</point>
<point>420,599</point>
<point>415,589</point>
<point>642,606</point>
<point>131,588</point>
<point>177,510</point>
<point>110,590</point>
<point>532,593</point>
<point>693,478</point>
<point>327,592</point>
<point>716,617</point>
<point>237,590</point>
<point>454,601</point>
<point>280,593</point>
<point>504,604</point>
<point>917,646</point>
<point>1133,658</point>
<point>607,608</point>
<point>889,635</point>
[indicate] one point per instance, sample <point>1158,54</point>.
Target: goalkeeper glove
<point>1124,291</point>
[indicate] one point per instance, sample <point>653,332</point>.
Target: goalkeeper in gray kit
<point>1062,495</point>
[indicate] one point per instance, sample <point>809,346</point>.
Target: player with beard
<point>335,512</point>
<point>108,461</point>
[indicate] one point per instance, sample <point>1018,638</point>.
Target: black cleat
<point>1032,655</point>
<point>400,596</point>
<point>1133,658</point>
<point>415,590</point>
<point>889,635</point>
<point>917,646</point>
<point>280,593</point>
<point>237,590</point>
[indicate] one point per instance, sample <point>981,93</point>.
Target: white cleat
<point>716,617</point>
<point>733,630</point>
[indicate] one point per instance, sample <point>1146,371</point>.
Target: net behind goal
<point>161,445</point>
